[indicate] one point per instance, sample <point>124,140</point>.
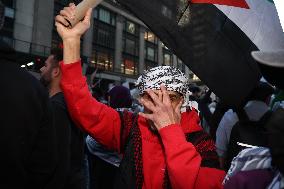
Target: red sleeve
<point>184,162</point>
<point>98,120</point>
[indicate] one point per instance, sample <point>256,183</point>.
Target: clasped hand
<point>76,31</point>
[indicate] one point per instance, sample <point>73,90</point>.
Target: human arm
<point>190,165</point>
<point>97,119</point>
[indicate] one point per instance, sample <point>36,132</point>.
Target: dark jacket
<point>27,136</point>
<point>70,146</point>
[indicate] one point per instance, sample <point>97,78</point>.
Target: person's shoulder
<point>58,101</point>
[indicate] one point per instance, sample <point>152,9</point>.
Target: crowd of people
<point>57,133</point>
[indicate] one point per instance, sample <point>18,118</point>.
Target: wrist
<point>164,125</point>
<point>71,50</point>
<point>71,41</point>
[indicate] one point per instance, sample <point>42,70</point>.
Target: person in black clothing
<point>250,129</point>
<point>27,137</point>
<point>271,65</point>
<point>69,171</point>
<point>196,93</point>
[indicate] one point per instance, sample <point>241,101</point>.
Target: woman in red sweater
<point>162,147</point>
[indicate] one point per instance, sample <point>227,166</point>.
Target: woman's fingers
<point>60,19</point>
<point>68,13</point>
<point>154,97</point>
<point>72,5</point>
<point>148,104</point>
<point>166,98</point>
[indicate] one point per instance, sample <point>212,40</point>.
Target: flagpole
<point>81,10</point>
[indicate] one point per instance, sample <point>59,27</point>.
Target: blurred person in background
<point>27,138</point>
<point>70,139</point>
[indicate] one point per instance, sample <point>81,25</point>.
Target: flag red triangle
<point>235,3</point>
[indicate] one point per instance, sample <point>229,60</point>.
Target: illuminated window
<point>102,60</point>
<point>150,37</point>
<point>129,66</point>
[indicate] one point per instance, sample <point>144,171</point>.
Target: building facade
<point>117,45</point>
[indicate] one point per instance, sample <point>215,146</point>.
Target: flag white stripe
<point>260,23</point>
<point>280,9</point>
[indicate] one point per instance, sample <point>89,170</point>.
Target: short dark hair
<point>261,92</point>
<point>58,55</point>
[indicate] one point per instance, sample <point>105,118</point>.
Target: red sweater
<point>103,123</point>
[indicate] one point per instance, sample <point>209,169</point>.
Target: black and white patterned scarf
<point>172,78</point>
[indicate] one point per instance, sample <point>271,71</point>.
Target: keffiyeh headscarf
<point>172,78</point>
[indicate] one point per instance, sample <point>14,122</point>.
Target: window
<point>102,60</point>
<point>151,49</point>
<point>104,16</point>
<point>103,40</point>
<point>150,37</point>
<point>180,65</point>
<point>103,37</point>
<point>150,54</point>
<point>130,49</point>
<point>9,12</point>
<point>129,66</point>
<point>9,41</point>
<point>104,34</point>
<point>167,59</point>
<point>130,46</point>
<point>8,26</point>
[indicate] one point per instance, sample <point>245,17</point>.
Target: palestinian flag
<point>214,38</point>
